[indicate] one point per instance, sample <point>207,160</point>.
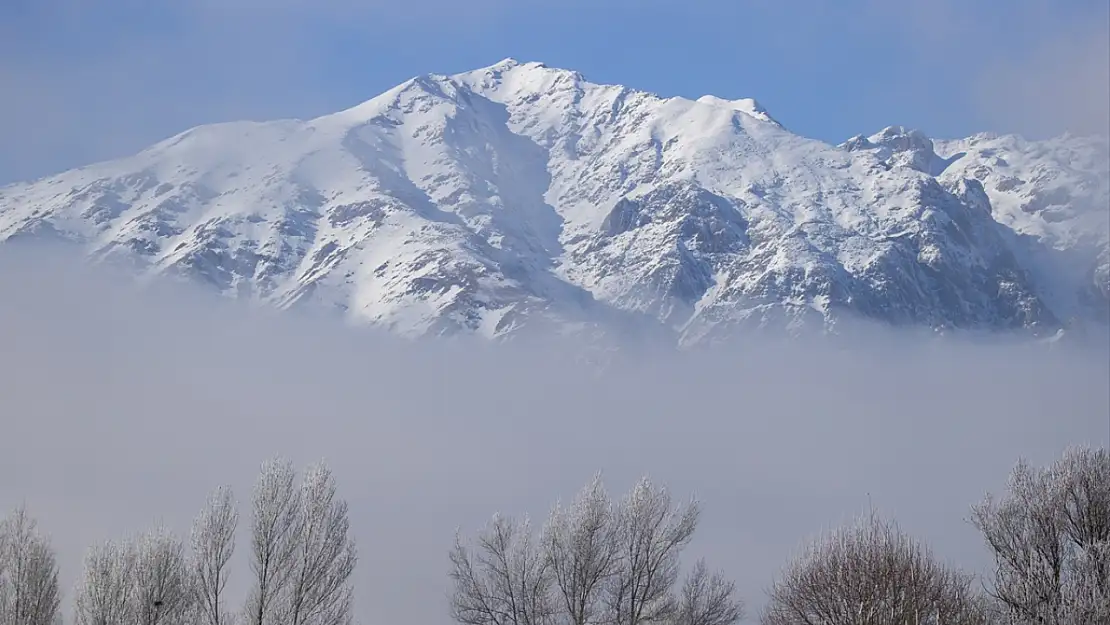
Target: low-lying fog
<point>121,409</point>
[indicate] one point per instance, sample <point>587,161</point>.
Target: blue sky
<point>83,81</point>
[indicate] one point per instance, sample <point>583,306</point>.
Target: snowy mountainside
<point>1052,197</point>
<point>521,195</point>
<point>1057,193</point>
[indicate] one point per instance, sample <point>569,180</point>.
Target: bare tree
<point>649,536</point>
<point>29,593</point>
<point>319,591</point>
<point>213,544</point>
<point>6,586</point>
<point>142,581</point>
<point>162,594</point>
<point>581,550</point>
<point>1084,478</point>
<point>872,574</point>
<point>302,554</point>
<point>708,599</point>
<point>1050,537</point>
<point>106,592</point>
<point>594,564</point>
<point>276,511</point>
<point>505,579</point>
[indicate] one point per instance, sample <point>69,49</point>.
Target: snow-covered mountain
<point>522,195</point>
<point>1052,198</point>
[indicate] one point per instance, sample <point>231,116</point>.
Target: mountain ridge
<point>522,195</point>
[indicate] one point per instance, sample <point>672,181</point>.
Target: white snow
<point>518,191</point>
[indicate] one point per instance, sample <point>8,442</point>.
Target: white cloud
<point>1034,67</point>
<point>1062,84</point>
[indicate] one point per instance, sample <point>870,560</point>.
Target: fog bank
<point>122,408</point>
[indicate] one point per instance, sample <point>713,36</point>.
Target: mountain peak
<point>520,194</point>
<point>506,63</point>
<point>510,64</point>
<point>748,106</point>
<point>900,146</point>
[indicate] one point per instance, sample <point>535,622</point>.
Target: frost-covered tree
<point>708,598</point>
<point>29,593</point>
<point>142,581</point>
<point>213,544</point>
<point>302,553</point>
<point>593,563</point>
<point>106,591</point>
<point>581,551</point>
<point>1050,538</point>
<point>503,578</point>
<point>649,536</point>
<point>275,510</point>
<point>871,573</point>
<point>163,592</point>
<point>319,589</point>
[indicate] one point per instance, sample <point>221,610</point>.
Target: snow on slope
<point>1052,196</point>
<point>521,195</point>
<point>1057,190</point>
<point>1057,193</point>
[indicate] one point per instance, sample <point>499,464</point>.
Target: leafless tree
<point>6,586</point>
<point>1050,537</point>
<point>708,599</point>
<point>582,553</point>
<point>163,594</point>
<point>649,535</point>
<point>213,543</point>
<point>319,591</point>
<point>302,554</point>
<point>106,592</point>
<point>29,593</point>
<point>594,563</point>
<point>871,573</point>
<point>275,516</point>
<point>142,581</point>
<point>503,579</point>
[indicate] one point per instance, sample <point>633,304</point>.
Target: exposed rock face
<point>520,195</point>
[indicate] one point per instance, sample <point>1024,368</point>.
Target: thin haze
<point>124,409</point>
<point>85,81</point>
